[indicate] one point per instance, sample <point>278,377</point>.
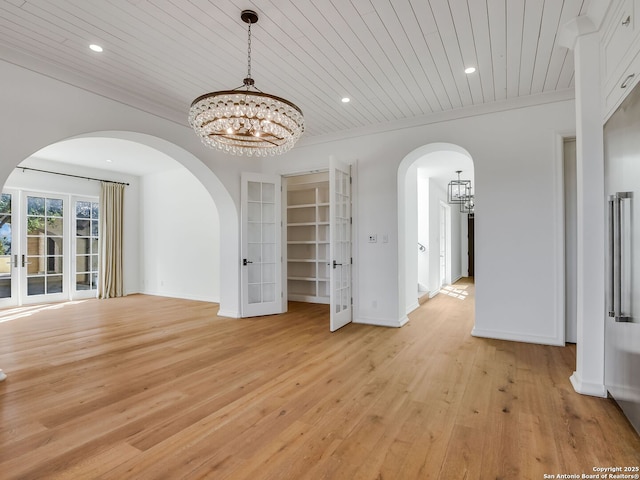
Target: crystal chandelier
<point>246,121</point>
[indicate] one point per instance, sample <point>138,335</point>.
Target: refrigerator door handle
<point>616,248</point>
<point>611,291</point>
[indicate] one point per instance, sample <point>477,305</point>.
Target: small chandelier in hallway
<point>245,120</point>
<point>458,190</point>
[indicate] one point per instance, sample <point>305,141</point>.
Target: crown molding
<point>449,115</point>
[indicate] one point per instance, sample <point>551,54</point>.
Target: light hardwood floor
<point>157,388</point>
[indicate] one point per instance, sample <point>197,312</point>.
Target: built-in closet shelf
<point>308,238</point>
<point>307,205</point>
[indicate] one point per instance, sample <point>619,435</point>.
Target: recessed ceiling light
<point>469,70</point>
<point>109,160</point>
<point>346,100</point>
<point>96,48</point>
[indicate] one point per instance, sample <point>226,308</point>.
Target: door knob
<point>246,262</point>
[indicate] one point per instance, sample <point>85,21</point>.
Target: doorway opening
<point>435,237</point>
<point>53,245</point>
<point>570,239</point>
<point>317,233</point>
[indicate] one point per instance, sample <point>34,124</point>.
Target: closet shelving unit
<point>308,238</point>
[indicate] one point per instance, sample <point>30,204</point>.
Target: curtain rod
<point>70,175</point>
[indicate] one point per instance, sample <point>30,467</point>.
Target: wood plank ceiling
<point>395,59</point>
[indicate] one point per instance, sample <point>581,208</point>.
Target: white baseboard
<point>456,279</point>
<point>584,388</point>
<point>197,298</point>
<point>433,293</point>
<point>517,337</point>
<point>382,322</point>
<point>228,314</point>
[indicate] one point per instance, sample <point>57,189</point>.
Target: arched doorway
<point>187,162</point>
<point>432,236</point>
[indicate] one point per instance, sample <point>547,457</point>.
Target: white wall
<point>517,196</point>
<point>411,238</point>
<point>180,237</point>
<point>47,183</point>
<point>38,111</point>
<point>571,240</point>
<point>423,230</point>
<point>518,221</point>
<point>436,196</point>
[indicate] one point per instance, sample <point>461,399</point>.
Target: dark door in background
<point>471,246</point>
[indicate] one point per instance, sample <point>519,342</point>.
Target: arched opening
<point>163,170</point>
<point>433,241</point>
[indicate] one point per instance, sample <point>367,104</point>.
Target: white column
<point>589,375</point>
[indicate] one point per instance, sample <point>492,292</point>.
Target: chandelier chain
<point>249,53</point>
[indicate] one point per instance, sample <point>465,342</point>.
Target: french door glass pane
<point>83,281</point>
<point>83,209</point>
<point>342,240</point>
<point>54,207</point>
<point>54,226</point>
<point>6,238</point>
<point>35,285</point>
<point>54,284</point>
<point>261,236</point>
<point>55,245</point>
<point>86,245</point>
<point>35,206</point>
<point>54,265</point>
<point>83,246</point>
<point>45,245</point>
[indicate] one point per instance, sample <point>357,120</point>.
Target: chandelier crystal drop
<point>246,121</point>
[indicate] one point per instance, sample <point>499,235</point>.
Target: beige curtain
<point>110,249</point>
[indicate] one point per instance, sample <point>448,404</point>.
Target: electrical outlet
<point>373,238</point>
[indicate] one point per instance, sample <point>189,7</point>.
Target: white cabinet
<point>619,36</point>
<point>308,238</point>
<point>620,52</point>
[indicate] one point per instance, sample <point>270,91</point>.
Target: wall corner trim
<point>228,313</point>
<point>585,388</point>
<point>574,28</point>
<point>413,307</point>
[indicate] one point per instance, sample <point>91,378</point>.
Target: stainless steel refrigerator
<point>622,186</point>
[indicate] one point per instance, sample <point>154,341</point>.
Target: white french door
<point>261,275</point>
<point>44,248</point>
<point>48,247</point>
<point>340,244</point>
